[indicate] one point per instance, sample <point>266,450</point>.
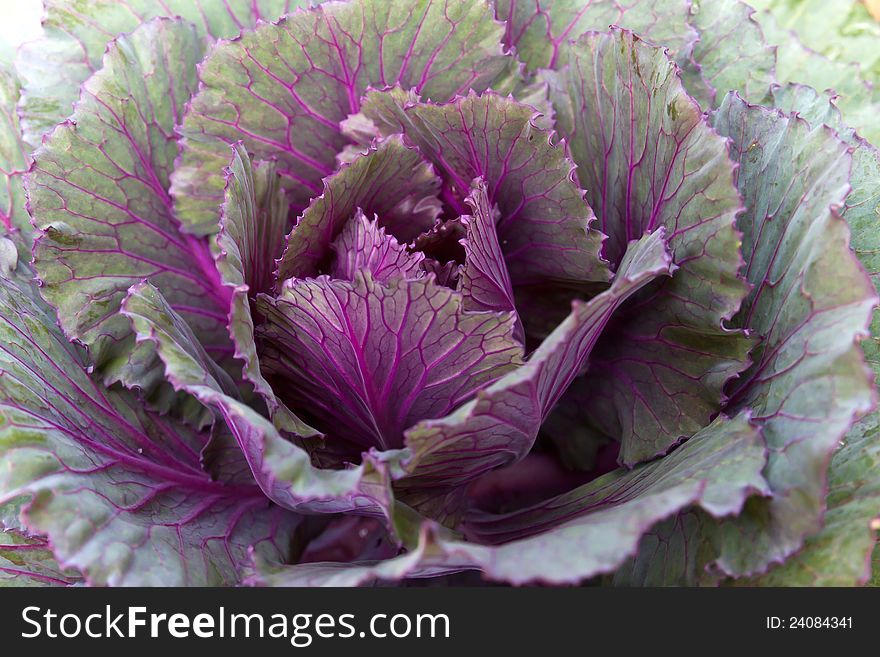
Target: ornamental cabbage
<point>557,292</point>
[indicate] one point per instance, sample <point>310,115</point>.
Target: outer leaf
<point>367,360</point>
<point>797,63</point>
<point>282,470</point>
<point>650,159</point>
<point>732,52</point>
<point>852,496</point>
<point>267,573</point>
<point>534,93</point>
<point>798,224</point>
<point>727,456</point>
<point>223,459</point>
<point>541,30</point>
<point>652,384</point>
<point>862,209</point>
<point>645,152</point>
<point>811,302</point>
<point>149,314</point>
<point>97,196</point>
<point>844,30</point>
<point>544,222</point>
<point>499,427</point>
<point>718,47</point>
<point>119,492</point>
<point>586,532</point>
<point>840,554</point>
<point>26,559</point>
<point>390,181</point>
<point>718,469</point>
<point>14,161</point>
<point>288,477</point>
<point>363,244</point>
<point>76,33</point>
<point>680,551</point>
<point>284,88</point>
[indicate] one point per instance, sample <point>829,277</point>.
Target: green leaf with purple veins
<point>840,554</point>
<point>862,206</point>
<point>285,88</point>
<point>856,96</point>
<point>732,52</point>
<point>97,194</point>
<point>599,524</point>
<point>428,286</point>
<point>717,47</point>
<point>684,549</point>
<point>809,381</point>
<point>844,30</point>
<point>808,372</point>
<point>76,34</point>
<point>648,159</point>
<point>119,492</point>
<point>253,225</point>
<point>680,551</point>
<point>586,532</point>
<point>541,31</point>
<point>14,161</point>
<point>27,561</point>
